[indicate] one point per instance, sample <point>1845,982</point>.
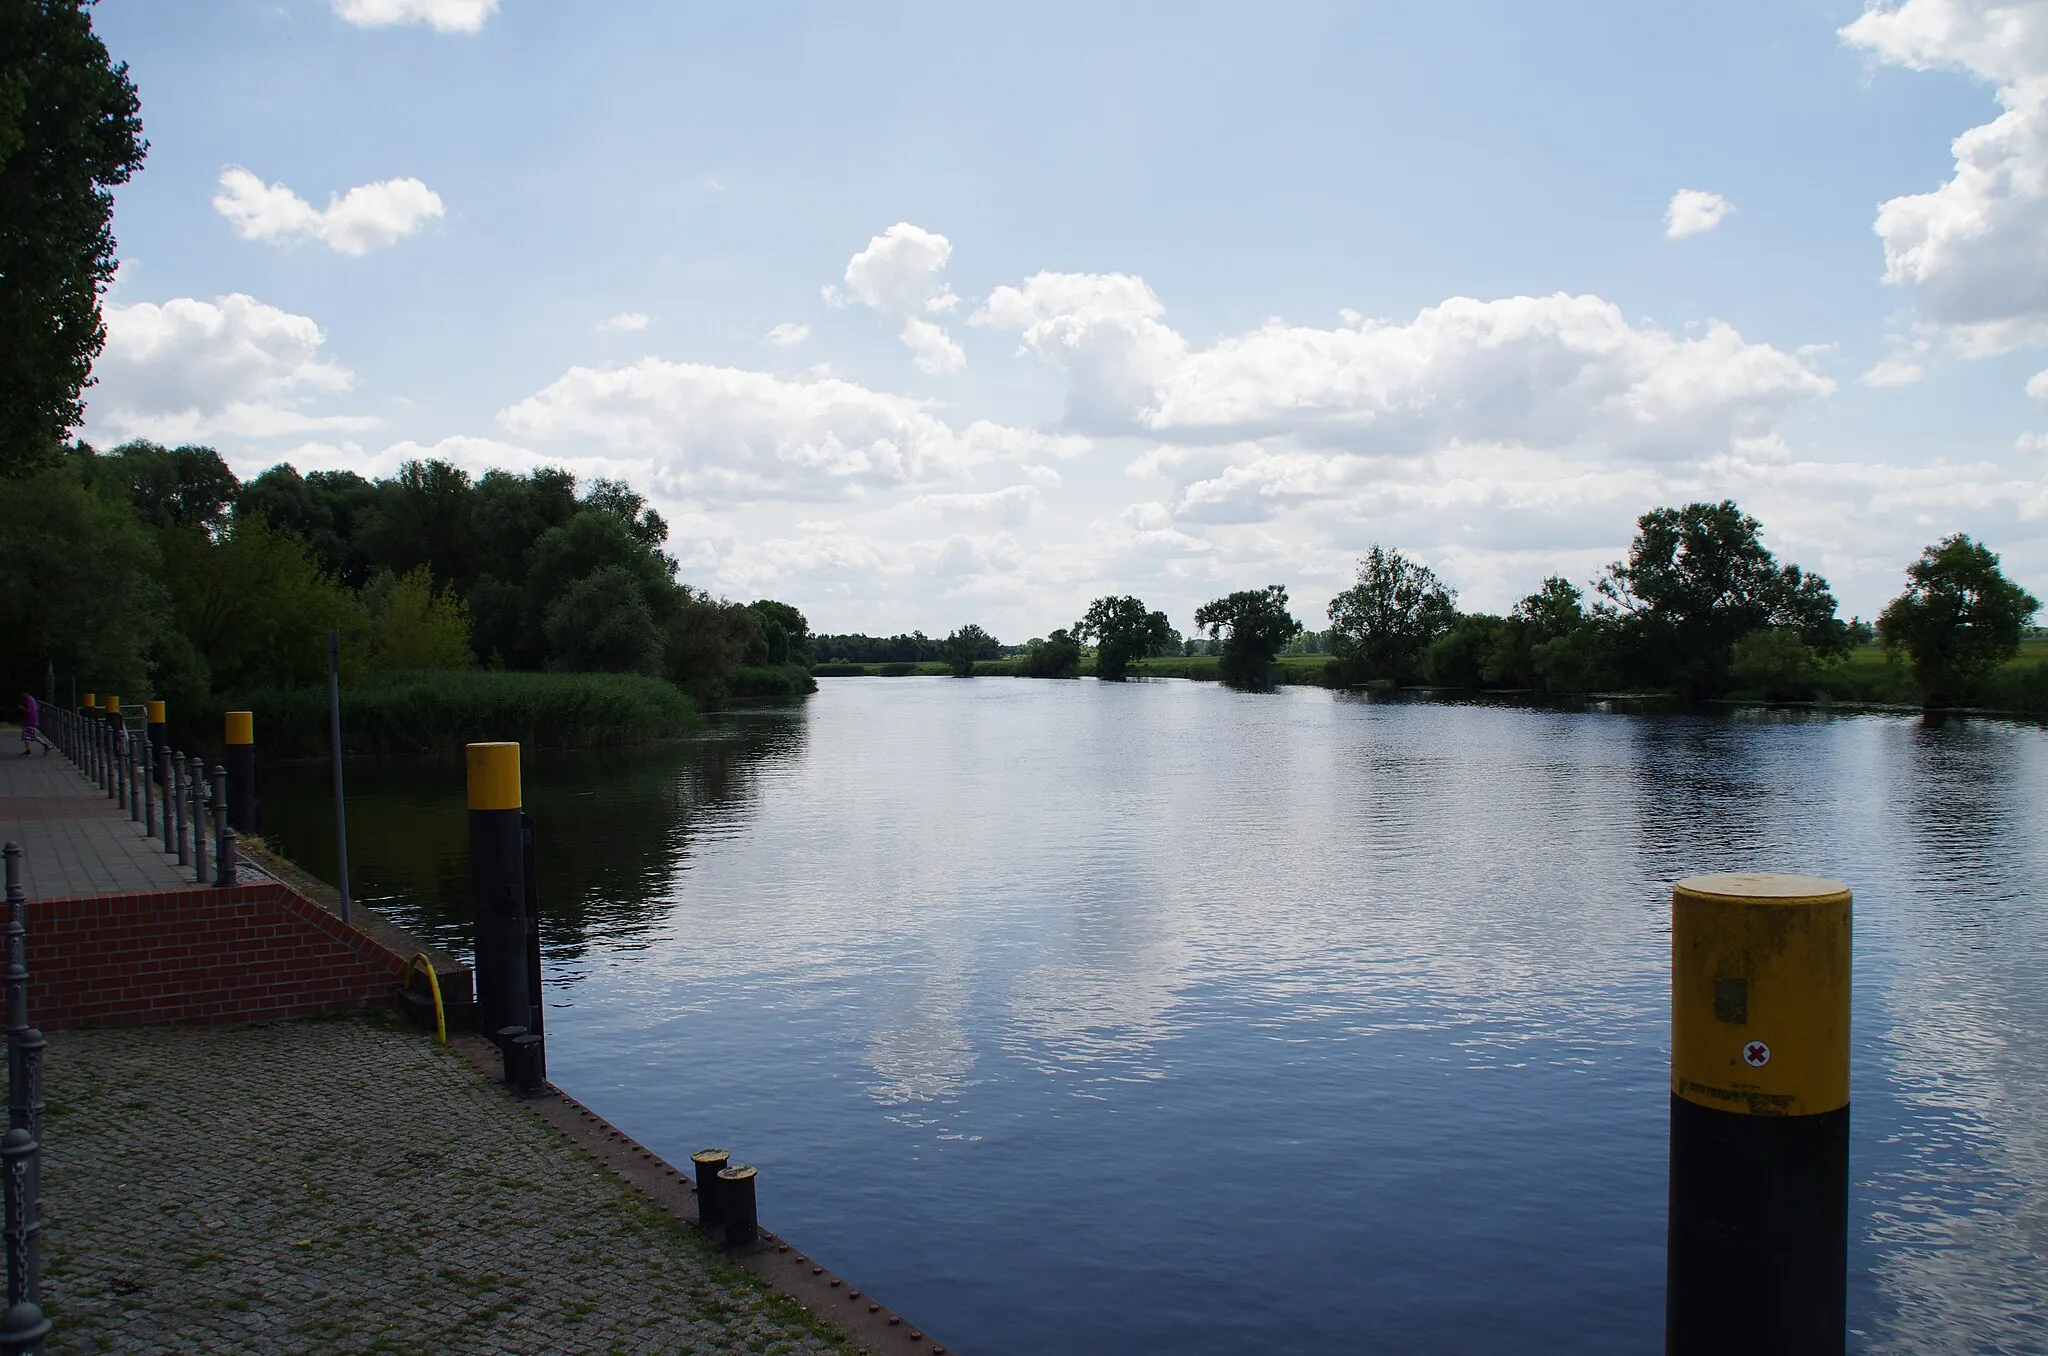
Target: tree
<point>1461,655</point>
<point>1253,624</point>
<point>254,603</point>
<point>412,626</point>
<point>1775,663</point>
<point>1382,625</point>
<point>1958,620</point>
<point>1122,631</point>
<point>1539,624</point>
<point>70,130</point>
<point>785,635</point>
<point>705,640</point>
<point>169,486</point>
<point>1056,656</point>
<point>966,645</point>
<point>1697,579</point>
<point>602,624</point>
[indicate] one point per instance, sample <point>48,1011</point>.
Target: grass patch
<point>757,682</point>
<point>439,712</point>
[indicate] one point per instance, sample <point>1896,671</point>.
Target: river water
<point>1152,1017</point>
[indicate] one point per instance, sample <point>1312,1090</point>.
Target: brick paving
<point>349,1186</point>
<point>75,841</point>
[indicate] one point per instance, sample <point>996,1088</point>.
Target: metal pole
<point>170,786</point>
<point>334,737</point>
<point>181,793</point>
<point>197,779</point>
<point>25,1044</point>
<point>131,759</point>
<point>222,861</point>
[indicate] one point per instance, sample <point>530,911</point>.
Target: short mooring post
<point>1757,1240</point>
<point>25,1044</point>
<point>708,1163</point>
<point>240,799</point>
<point>736,1204</point>
<point>498,891</point>
<point>154,731</point>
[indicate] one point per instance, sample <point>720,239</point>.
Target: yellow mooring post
<point>1757,1244</point>
<point>240,760</point>
<point>498,895</point>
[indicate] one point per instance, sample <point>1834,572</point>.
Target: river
<point>1153,1017</point>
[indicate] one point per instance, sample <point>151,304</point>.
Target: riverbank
<point>439,712</point>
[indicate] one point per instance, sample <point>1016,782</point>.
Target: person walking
<point>31,716</point>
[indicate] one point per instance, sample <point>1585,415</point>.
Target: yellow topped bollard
<point>505,998</point>
<point>1757,1243</point>
<point>113,706</point>
<point>244,810</point>
<point>493,776</point>
<point>1760,994</point>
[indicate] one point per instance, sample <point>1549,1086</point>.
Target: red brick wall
<point>247,953</point>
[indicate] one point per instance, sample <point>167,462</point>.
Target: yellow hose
<point>434,985</point>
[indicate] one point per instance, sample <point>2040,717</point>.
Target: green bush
<point>896,670</point>
<point>753,682</point>
<point>839,669</point>
<point>442,711</point>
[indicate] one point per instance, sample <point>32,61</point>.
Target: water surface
<point>1151,1017</point>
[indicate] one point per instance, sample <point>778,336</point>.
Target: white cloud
<point>1694,210</point>
<point>787,335</point>
<point>446,16</point>
<point>624,321</point>
<point>367,217</point>
<point>721,434</point>
<point>897,274</point>
<point>233,367</point>
<point>1973,253</point>
<point>1893,372</point>
<point>2037,387</point>
<point>1556,371</point>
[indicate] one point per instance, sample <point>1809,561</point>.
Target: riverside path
<point>344,1184</point>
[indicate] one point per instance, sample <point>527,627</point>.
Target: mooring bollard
<point>736,1204</point>
<point>710,1193</point>
<point>228,858</point>
<point>25,1044</point>
<point>154,733</point>
<point>241,769</point>
<point>1757,1241</point>
<point>181,791</point>
<point>498,888</point>
<point>529,1075</point>
<point>198,780</point>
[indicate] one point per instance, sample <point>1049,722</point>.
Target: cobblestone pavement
<point>75,841</point>
<point>348,1186</point>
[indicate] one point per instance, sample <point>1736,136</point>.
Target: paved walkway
<point>349,1186</point>
<point>75,840</point>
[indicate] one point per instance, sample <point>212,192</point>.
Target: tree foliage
<point>70,130</point>
<point>1382,626</point>
<point>966,645</point>
<point>1253,625</point>
<point>1699,578</point>
<point>1056,656</point>
<point>1957,621</point>
<point>1123,630</point>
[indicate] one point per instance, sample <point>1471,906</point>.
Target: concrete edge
<point>829,1297</point>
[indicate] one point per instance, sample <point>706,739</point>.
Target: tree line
<point>1698,608</point>
<point>155,569</point>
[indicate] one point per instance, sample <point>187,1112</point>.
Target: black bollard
<point>528,1064</point>
<point>507,1038</point>
<point>227,859</point>
<point>22,1329</point>
<point>197,778</point>
<point>736,1204</point>
<point>219,823</point>
<point>710,1192</point>
<point>154,734</point>
<point>25,1044</point>
<point>498,888</point>
<point>240,765</point>
<point>181,795</point>
<point>529,873</point>
<point>168,782</point>
<point>24,1225</point>
<point>1757,1244</point>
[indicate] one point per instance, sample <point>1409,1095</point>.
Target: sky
<point>918,314</point>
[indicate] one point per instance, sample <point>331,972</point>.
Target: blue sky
<point>948,316</point>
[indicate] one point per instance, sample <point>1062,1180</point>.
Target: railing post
<point>220,812</point>
<point>181,792</point>
<point>165,780</point>
<point>197,779</point>
<point>131,767</point>
<point>23,1328</point>
<point>24,1228</point>
<point>25,1044</point>
<point>154,737</point>
<point>113,719</point>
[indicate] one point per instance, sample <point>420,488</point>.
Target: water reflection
<point>1410,961</point>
